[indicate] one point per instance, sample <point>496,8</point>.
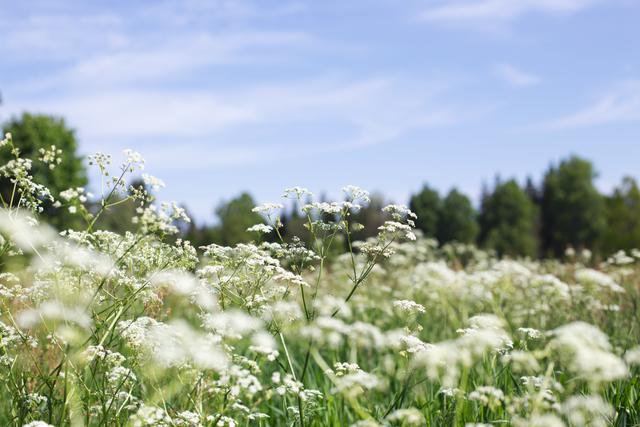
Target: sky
<point>222,96</point>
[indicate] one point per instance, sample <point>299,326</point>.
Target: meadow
<point>143,329</point>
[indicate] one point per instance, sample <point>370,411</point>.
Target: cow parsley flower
<point>586,350</point>
<point>297,193</point>
<point>409,306</point>
<point>51,156</point>
<point>267,208</point>
<point>150,416</point>
<point>539,420</point>
<point>632,356</point>
<point>592,277</point>
<point>355,383</point>
<point>38,424</point>
<point>587,410</point>
<point>260,228</point>
<point>355,193</point>
<point>530,333</point>
<point>487,396</point>
<point>152,181</point>
<point>407,416</point>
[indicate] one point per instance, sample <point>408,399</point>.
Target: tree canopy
<point>426,204</point>
<point>34,133</point>
<point>573,211</point>
<point>508,220</point>
<point>623,217</point>
<point>457,220</point>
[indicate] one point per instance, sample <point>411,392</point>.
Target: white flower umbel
<point>586,351</point>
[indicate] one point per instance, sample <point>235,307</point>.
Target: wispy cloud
<point>72,30</point>
<point>158,72</point>
<point>367,110</point>
<point>514,76</point>
<point>620,104</point>
<point>153,62</point>
<point>61,36</point>
<point>478,11</point>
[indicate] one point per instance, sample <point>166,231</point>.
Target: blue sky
<point>222,96</point>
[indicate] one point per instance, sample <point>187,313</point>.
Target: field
<point>143,329</point>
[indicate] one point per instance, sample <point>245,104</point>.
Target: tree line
<point>564,210</point>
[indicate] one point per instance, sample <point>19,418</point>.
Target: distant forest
<point>564,210</point>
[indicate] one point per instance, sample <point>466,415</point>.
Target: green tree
<point>623,217</point>
<point>508,220</point>
<point>33,132</point>
<point>457,219</point>
<point>573,212</point>
<point>426,204</point>
<point>235,217</point>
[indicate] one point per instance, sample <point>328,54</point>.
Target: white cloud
<point>374,109</point>
<point>469,11</point>
<point>153,74</point>
<point>75,31</point>
<point>619,104</point>
<point>61,36</point>
<point>175,58</point>
<point>141,114</point>
<point>515,76</point>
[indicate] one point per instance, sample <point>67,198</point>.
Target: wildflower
<point>366,423</point>
<point>451,392</point>
<point>260,228</point>
<point>587,411</point>
<point>51,156</point>
<point>267,208</point>
<point>487,396</point>
<point>521,361</point>
<point>408,416</point>
<point>24,231</point>
<point>399,212</point>
<point>539,420</point>
<point>54,310</point>
<point>152,181</point>
<point>119,375</point>
<point>185,284</point>
<point>133,160</point>
<point>188,418</point>
<point>409,306</point>
<point>632,356</point>
<point>177,344</point>
<point>445,360</point>
<point>394,227</point>
<point>263,343</point>
<point>102,161</point>
<point>592,277</point>
<point>356,383</point>
<point>586,350</point>
<point>342,368</point>
<point>150,416</point>
<point>297,193</point>
<point>354,193</point>
<point>530,333</point>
